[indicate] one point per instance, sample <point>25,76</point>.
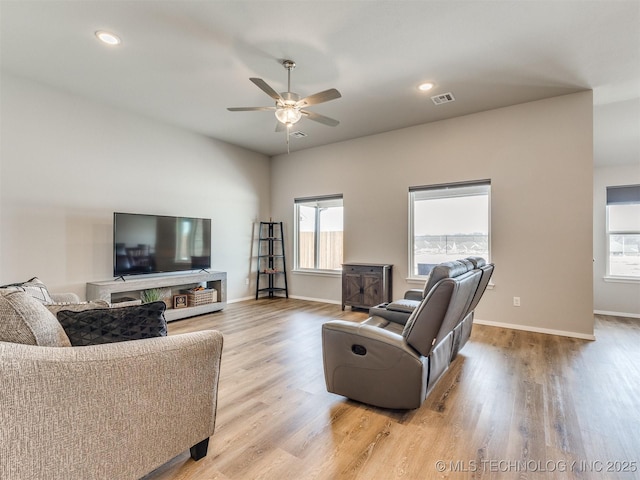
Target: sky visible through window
<point>456,215</point>
<point>448,229</point>
<point>331,219</point>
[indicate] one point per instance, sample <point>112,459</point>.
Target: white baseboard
<point>548,331</point>
<point>321,300</point>
<point>236,300</point>
<point>297,297</point>
<point>526,328</point>
<point>617,314</point>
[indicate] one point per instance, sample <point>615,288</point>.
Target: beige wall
<point>68,163</point>
<point>539,157</point>
<point>618,298</point>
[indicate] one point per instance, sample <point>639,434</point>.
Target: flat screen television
<point>145,244</point>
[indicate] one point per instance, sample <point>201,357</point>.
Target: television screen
<point>156,243</point>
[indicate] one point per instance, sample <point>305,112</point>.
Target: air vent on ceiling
<point>298,134</point>
<point>444,98</point>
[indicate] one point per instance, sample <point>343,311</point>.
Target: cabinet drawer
<point>361,269</point>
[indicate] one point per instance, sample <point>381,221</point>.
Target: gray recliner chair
<point>394,361</point>
<point>399,310</point>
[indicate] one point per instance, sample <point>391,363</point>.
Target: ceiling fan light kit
<point>288,115</point>
<point>289,106</point>
<point>288,112</point>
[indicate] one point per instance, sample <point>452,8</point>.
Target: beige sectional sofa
<point>111,411</point>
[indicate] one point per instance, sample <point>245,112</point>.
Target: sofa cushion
<point>76,307</point>
<point>68,297</point>
<point>23,319</point>
<point>33,287</point>
<point>109,325</point>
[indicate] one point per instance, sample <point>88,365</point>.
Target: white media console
<point>114,290</point>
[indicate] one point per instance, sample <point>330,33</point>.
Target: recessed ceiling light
<point>108,38</point>
<point>425,86</point>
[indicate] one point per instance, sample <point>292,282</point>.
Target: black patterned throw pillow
<point>109,325</point>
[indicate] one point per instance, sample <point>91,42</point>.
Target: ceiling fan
<point>289,107</point>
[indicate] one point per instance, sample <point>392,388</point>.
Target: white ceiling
<point>184,62</point>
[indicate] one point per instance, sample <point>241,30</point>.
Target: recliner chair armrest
<point>372,365</point>
<point>414,294</point>
<point>390,315</point>
<point>380,348</point>
<point>117,410</point>
<point>367,333</point>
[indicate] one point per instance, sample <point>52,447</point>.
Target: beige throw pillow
<point>23,319</point>
<point>33,287</point>
<point>76,307</point>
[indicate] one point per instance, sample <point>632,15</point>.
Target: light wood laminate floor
<point>513,404</point>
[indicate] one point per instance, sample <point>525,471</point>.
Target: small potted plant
<point>151,295</point>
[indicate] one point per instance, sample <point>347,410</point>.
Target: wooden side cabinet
<point>366,284</point>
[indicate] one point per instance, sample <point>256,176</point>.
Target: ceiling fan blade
<point>316,117</point>
<point>249,109</point>
<point>319,97</point>
<point>264,86</point>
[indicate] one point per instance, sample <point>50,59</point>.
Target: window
<point>190,236</point>
<point>623,231</point>
<point>319,233</point>
<point>448,222</point>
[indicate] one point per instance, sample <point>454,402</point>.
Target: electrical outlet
<point>246,281</point>
<point>516,301</point>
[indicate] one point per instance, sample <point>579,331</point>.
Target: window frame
<point>326,199</point>
<point>619,195</point>
<point>443,188</point>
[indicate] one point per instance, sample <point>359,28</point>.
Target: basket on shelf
<point>196,298</point>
